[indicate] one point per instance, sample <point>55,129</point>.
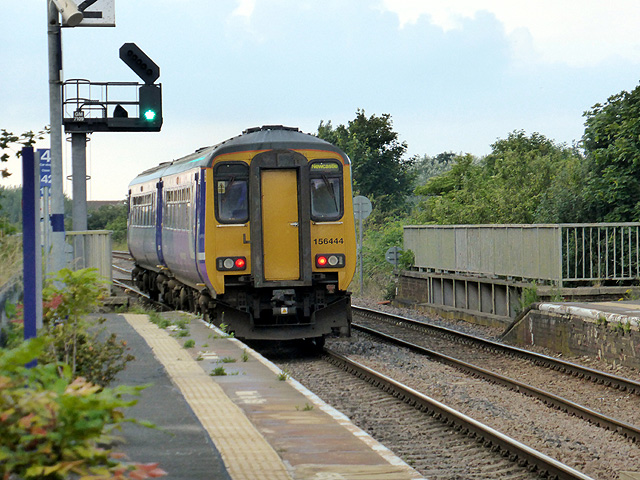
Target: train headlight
<point>231,263</point>
<point>330,260</point>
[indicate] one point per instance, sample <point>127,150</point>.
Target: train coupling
<point>283,302</point>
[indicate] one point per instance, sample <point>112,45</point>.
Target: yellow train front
<point>256,232</point>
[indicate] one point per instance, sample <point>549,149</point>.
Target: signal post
<point>103,107</point>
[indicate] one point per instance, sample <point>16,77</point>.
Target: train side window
<point>232,193</point>
<point>326,191</point>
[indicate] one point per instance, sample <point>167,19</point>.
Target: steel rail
<point>490,437</point>
<point>563,404</point>
<point>129,288</point>
<point>120,269</point>
<point>574,369</point>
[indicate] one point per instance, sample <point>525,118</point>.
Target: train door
<point>280,234</point>
<point>280,224</point>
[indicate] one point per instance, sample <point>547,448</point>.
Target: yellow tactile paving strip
<point>245,452</point>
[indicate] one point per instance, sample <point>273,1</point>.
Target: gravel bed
<point>618,404</point>
<point>494,333</point>
<point>431,447</point>
<point>590,449</point>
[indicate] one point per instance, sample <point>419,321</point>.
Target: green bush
<point>52,425</point>
<point>73,338</point>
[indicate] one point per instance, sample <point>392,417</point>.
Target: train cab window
<point>326,190</point>
<point>232,192</point>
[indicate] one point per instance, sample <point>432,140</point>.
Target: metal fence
<point>90,249</point>
<point>557,254</point>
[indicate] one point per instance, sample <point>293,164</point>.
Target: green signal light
<point>150,115</point>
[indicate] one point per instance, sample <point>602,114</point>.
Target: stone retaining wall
<point>615,342</point>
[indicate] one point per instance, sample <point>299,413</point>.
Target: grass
<point>10,257</point>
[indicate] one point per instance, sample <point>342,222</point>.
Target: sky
<point>455,75</point>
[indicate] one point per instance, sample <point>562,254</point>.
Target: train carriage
<point>256,232</point>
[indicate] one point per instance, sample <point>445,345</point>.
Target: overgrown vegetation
<point>379,170</point>
<point>111,217</point>
<point>10,256</point>
<point>53,424</point>
<point>57,418</point>
<point>527,178</point>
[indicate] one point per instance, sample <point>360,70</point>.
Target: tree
<point>14,143</point>
<point>110,217</point>
<point>379,171</point>
<point>9,141</point>
<point>426,167</point>
<point>612,144</point>
<point>524,179</point>
<point>11,204</point>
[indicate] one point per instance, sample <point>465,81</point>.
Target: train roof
<point>268,137</point>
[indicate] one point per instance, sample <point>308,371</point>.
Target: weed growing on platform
<point>283,375</point>
<point>306,408</point>
<point>223,327</point>
<point>189,343</point>
<point>182,323</point>
<point>218,372</point>
<point>245,356</point>
<point>228,360</point>
<point>601,321</point>
<point>157,319</point>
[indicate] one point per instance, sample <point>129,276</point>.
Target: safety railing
<point>90,249</point>
<point>550,253</point>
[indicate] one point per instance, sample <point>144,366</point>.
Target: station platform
<point>608,330</point>
<point>248,424</point>
<point>623,311</point>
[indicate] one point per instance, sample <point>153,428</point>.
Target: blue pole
<point>30,241</point>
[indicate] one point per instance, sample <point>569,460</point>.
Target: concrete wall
<point>486,301</point>
<point>577,336</point>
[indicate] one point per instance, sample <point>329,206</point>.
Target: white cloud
<point>245,8</point>
<point>574,32</point>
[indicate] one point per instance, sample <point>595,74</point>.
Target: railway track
<point>487,436</point>
<point>597,418</point>
<point>125,283</point>
<point>121,254</point>
<point>585,446</point>
<point>435,439</point>
<point>553,363</point>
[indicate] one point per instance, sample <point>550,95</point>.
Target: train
<point>256,233</point>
